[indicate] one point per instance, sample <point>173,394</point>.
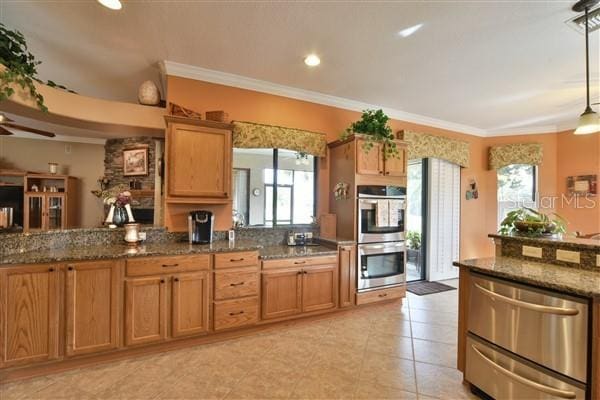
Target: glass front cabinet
<point>44,211</point>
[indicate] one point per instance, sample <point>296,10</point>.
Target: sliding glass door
<point>416,220</point>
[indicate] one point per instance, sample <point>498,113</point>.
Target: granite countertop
<point>564,241</point>
<point>338,241</point>
<point>564,279</point>
<point>80,253</point>
<point>284,251</point>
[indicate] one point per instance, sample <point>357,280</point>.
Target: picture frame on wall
<point>135,161</point>
<point>582,185</point>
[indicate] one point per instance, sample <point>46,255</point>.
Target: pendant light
<point>589,122</point>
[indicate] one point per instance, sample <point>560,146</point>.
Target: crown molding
<point>224,78</point>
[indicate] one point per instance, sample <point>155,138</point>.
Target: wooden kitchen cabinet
<point>93,306</point>
<point>198,160</point>
<point>281,293</point>
<point>29,314</point>
<point>189,314</point>
<point>319,288</point>
<point>374,162</point>
<point>145,310</point>
<point>347,265</point>
<point>46,210</point>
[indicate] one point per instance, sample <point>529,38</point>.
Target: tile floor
<point>379,352</point>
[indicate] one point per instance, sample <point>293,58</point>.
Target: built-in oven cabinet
<point>502,375</point>
<point>369,231</point>
<point>547,328</point>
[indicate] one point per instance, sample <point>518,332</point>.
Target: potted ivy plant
<point>530,222</point>
<point>413,241</point>
<point>20,67</point>
<point>373,127</point>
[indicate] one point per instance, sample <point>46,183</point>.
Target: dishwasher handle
<point>564,394</point>
<point>529,306</point>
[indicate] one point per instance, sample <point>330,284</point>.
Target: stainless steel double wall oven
<point>381,247</point>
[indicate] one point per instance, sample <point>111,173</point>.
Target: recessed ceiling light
<point>112,4</point>
<point>409,31</point>
<point>312,60</point>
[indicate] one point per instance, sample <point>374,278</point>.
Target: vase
<point>148,94</point>
<point>120,216</point>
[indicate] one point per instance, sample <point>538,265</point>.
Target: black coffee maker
<point>200,227</point>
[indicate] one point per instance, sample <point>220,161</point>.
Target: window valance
<point>422,145</point>
<point>519,153</point>
<point>251,135</point>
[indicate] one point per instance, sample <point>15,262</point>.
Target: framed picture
<point>135,161</point>
<point>582,185</point>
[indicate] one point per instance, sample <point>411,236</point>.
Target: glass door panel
<point>35,212</point>
<point>416,219</point>
<point>55,212</point>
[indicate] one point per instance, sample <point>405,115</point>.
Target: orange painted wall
<point>478,217</point>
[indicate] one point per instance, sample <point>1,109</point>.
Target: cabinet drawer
<point>380,295</point>
<point>163,265</point>
<point>238,259</point>
<point>233,313</point>
<point>299,262</point>
<point>238,283</point>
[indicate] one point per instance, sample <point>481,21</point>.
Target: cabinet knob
<point>70,268</point>
<point>299,262</point>
<point>383,295</point>
<point>162,281</point>
<point>176,279</point>
<point>299,273</point>
<point>380,172</point>
<point>304,272</point>
<point>387,172</point>
<point>50,269</point>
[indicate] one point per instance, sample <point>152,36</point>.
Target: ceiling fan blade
<point>5,132</point>
<point>27,129</point>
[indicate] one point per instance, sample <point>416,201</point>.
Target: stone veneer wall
<point>113,165</point>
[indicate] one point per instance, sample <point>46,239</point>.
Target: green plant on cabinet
<point>373,124</point>
<point>530,222</point>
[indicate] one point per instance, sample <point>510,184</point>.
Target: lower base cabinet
<point>235,313</point>
<point>189,314</point>
<point>145,310</point>
<point>29,314</point>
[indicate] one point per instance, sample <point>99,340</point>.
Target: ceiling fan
<point>6,122</point>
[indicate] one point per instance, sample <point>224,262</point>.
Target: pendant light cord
<point>587,60</point>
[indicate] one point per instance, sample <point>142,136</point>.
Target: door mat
<point>423,288</point>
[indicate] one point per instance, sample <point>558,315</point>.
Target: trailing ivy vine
<point>21,67</point>
<point>374,126</point>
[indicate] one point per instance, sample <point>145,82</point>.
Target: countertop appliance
<point>200,227</point>
<point>525,342</point>
<point>369,198</point>
<point>380,265</point>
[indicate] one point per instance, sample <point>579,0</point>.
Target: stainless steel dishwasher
<point>529,341</point>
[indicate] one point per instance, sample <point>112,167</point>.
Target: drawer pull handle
<point>529,306</point>
<point>299,262</point>
<point>534,385</point>
<point>236,313</point>
<point>237,284</point>
<point>236,259</point>
<point>170,265</point>
<point>382,295</point>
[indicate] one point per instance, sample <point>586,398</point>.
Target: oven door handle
<point>564,394</point>
<point>526,305</point>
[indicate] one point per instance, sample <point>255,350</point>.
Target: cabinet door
<point>29,318</point>
<point>396,166</point>
<point>370,163</point>
<point>55,211</point>
<point>190,304</point>
<point>34,216</point>
<point>145,310</point>
<point>92,306</point>
<point>347,275</point>
<point>199,161</point>
<point>319,288</point>
<point>281,293</point>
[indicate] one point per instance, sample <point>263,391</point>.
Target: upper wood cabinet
<point>374,162</point>
<point>29,314</point>
<point>198,161</point>
<point>93,306</point>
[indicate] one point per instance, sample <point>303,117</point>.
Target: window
<point>281,178</point>
<point>516,188</point>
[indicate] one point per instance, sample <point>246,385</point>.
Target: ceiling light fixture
<point>589,122</point>
<point>112,4</point>
<point>312,60</point>
<point>409,31</point>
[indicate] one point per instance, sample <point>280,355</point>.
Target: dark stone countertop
<point>284,251</point>
<point>564,242</point>
<point>564,279</point>
<point>113,251</point>
<point>338,241</point>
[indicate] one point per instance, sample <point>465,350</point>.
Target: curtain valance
<point>251,135</point>
<point>422,145</point>
<point>519,153</point>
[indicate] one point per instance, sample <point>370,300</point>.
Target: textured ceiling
<point>501,65</point>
